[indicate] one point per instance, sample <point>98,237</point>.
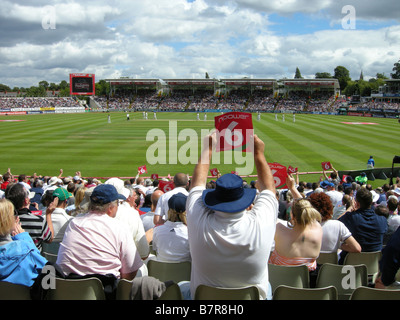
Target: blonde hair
<point>304,213</point>
<point>7,219</point>
<point>175,216</point>
<point>79,196</point>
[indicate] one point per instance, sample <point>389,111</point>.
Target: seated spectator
<point>170,240</point>
<point>76,208</point>
<point>299,243</point>
<point>389,264</point>
<point>7,178</point>
<point>181,182</point>
<point>37,192</point>
<point>146,206</point>
<point>330,190</point>
<point>20,260</point>
<point>335,235</point>
<point>364,224</point>
<point>130,217</point>
<point>39,228</point>
<point>342,207</point>
<point>97,243</point>
<point>59,217</point>
<point>23,179</point>
<point>71,190</point>
<point>148,217</point>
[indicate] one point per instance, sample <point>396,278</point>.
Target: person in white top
<point>59,217</point>
<point>148,217</point>
<point>181,181</point>
<point>229,244</point>
<point>336,196</point>
<point>130,217</point>
<point>335,234</point>
<point>170,240</point>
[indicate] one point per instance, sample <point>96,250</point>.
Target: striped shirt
<point>35,225</point>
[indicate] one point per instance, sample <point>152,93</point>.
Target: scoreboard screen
<point>81,84</point>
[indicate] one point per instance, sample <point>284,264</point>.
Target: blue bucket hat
<point>105,193</point>
<point>229,195</point>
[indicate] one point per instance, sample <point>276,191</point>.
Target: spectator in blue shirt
<point>20,260</point>
<point>365,225</point>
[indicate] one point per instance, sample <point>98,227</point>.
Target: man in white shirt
<point>130,217</point>
<point>335,196</point>
<point>181,181</point>
<point>229,244</point>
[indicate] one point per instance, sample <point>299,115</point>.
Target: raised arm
<point>265,179</point>
<point>290,183</point>
<point>200,173</point>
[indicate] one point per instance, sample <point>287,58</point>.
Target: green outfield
<point>88,143</point>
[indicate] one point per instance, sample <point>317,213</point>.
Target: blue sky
<point>186,38</point>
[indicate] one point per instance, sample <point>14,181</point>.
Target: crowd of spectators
<point>374,105</point>
<point>306,210</point>
<point>259,100</point>
<point>37,102</point>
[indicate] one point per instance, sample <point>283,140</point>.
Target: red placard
<point>280,174</point>
<point>142,169</point>
<point>326,165</point>
<point>234,131</point>
<point>154,176</point>
<point>214,172</point>
<point>292,170</point>
<point>166,186</point>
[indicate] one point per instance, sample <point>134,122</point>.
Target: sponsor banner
<point>34,112</point>
<point>12,113</point>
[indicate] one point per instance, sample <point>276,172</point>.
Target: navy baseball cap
<point>178,202</point>
<point>105,193</point>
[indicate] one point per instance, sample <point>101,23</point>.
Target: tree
<point>3,87</point>
<point>323,75</point>
<point>298,74</point>
<point>44,84</point>
<point>64,84</point>
<point>207,76</point>
<point>343,76</point>
<point>381,76</point>
<point>102,88</point>
<point>396,69</point>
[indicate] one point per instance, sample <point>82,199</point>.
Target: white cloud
<point>179,39</point>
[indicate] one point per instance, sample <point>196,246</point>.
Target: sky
<point>179,39</point>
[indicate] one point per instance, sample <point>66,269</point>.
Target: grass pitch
<point>88,143</point>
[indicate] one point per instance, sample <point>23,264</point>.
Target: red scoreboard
<point>81,84</point>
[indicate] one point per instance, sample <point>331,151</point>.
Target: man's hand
<point>259,145</point>
<point>52,206</point>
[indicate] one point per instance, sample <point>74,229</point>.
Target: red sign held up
<point>234,131</point>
